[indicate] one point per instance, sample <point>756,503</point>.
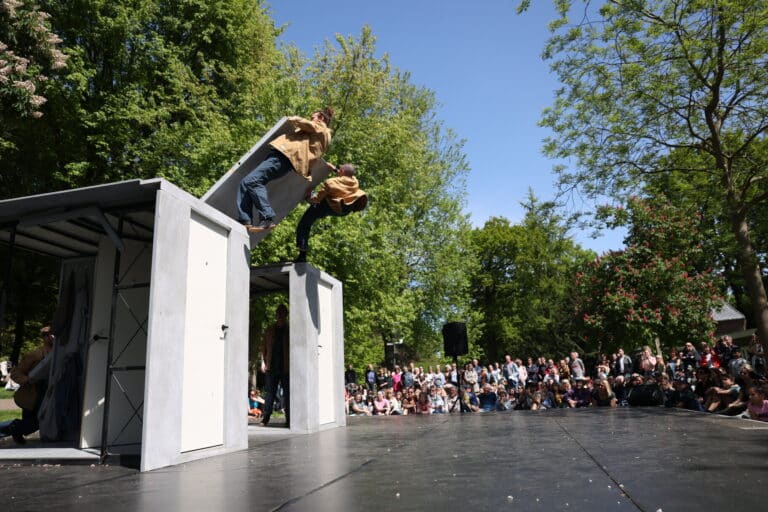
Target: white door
<point>325,358</point>
<point>202,423</point>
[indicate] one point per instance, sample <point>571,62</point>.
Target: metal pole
<point>8,276</point>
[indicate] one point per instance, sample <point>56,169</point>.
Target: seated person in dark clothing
<point>683,396</point>
<point>579,396</point>
<point>602,395</point>
<point>487,399</point>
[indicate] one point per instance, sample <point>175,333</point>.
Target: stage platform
<point>588,459</point>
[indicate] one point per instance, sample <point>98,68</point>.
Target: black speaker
<point>455,339</point>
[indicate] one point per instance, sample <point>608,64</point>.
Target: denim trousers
<point>252,192</point>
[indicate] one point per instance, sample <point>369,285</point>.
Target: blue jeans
<point>252,192</point>
<point>313,213</point>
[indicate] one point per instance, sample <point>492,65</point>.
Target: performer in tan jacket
<point>295,151</point>
<point>338,196</point>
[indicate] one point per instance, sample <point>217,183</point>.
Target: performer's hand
<point>308,193</point>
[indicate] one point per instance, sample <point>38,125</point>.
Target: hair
<point>327,113</point>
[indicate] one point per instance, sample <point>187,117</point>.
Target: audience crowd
<point>722,379</point>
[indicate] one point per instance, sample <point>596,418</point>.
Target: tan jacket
<point>342,190</point>
<point>305,144</point>
<point>20,372</point>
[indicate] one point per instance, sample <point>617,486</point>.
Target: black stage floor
<point>589,459</point>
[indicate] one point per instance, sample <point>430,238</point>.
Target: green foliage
<point>669,86</point>
<point>655,287</point>
<point>524,284</point>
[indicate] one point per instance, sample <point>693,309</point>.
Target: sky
<point>483,62</point>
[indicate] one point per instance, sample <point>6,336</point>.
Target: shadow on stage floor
<point>590,459</point>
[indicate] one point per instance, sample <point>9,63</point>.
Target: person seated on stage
<point>30,394</point>
<point>470,402</point>
<point>436,400</point>
<point>295,151</point>
<point>395,405</point>
<point>409,401</point>
<point>452,401</point>
<point>255,404</point>
<point>720,397</point>
<point>338,196</point>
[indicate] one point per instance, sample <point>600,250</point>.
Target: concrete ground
<point>630,459</point>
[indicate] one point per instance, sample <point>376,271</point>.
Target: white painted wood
<point>202,422</point>
<point>325,356</point>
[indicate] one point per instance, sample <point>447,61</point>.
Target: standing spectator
<point>350,376</point>
<point>370,379</point>
<point>407,378</point>
<point>724,350</point>
<point>454,375</point>
<point>511,372</point>
<point>690,358</point>
<point>470,377</point>
<point>757,354</point>
<point>397,379</point>
<point>381,379</point>
<point>736,363</point>
<point>709,358</point>
<point>531,372</point>
<point>623,365</point>
<point>577,367</point>
<point>647,362</point>
<point>523,375</point>
<point>276,365</point>
<point>564,369</point>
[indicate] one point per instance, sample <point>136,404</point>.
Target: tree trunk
<point>753,278</point>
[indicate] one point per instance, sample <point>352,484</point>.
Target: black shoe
<point>264,225</point>
<point>301,258</point>
<point>17,437</point>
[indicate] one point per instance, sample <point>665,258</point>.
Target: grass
<point>10,415</point>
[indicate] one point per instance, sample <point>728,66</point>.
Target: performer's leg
<point>270,388</point>
<point>253,188</point>
<point>303,229</point>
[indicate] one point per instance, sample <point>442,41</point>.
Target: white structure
<point>163,333</point>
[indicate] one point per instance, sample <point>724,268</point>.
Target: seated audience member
<point>503,403</point>
<point>469,402</point>
<point>579,396</point>
<point>395,406</point>
<point>719,398</point>
<point>424,404</point>
<point>758,404</point>
<point>255,404</point>
<point>602,395</point>
<point>620,390</point>
<point>436,401</point>
<point>487,399</point>
<point>683,396</point>
<point>409,402</point>
<point>380,404</point>
<point>737,361</point>
<point>358,407</point>
<point>452,401</point>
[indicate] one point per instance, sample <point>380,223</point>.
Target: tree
<point>663,86</point>
<point>524,284</point>
<point>170,88</point>
<point>656,287</point>
<point>29,53</point>
<point>403,261</point>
